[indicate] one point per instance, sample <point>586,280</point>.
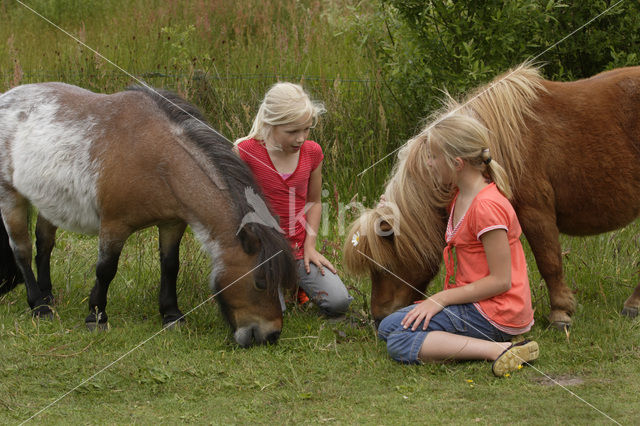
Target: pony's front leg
<point>14,215</point>
<point>106,268</point>
<point>45,240</point>
<point>170,236</point>
<point>543,236</point>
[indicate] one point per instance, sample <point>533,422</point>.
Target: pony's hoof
<point>42,312</point>
<point>173,322</point>
<point>97,321</point>
<point>97,326</point>
<point>630,311</point>
<point>560,320</point>
<point>561,326</point>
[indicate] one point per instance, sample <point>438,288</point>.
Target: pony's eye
<point>260,285</point>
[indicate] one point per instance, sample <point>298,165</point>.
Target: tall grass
<point>222,56</point>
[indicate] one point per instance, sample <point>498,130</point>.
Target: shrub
<point>430,45</point>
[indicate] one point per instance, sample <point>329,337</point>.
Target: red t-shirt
<point>466,260</point>
<point>286,196</point>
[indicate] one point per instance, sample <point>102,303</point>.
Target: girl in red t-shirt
<point>486,299</point>
<point>288,167</point>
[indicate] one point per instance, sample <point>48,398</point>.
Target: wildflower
<point>356,239</point>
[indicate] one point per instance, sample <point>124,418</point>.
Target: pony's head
<point>248,282</point>
<point>262,260</point>
<point>399,243</point>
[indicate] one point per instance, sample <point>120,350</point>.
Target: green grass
<point>320,371</point>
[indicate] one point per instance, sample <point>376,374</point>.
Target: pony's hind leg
<point>170,236</point>
<point>10,275</point>
<point>15,211</point>
<point>45,240</point>
<point>632,304</point>
<point>111,243</point>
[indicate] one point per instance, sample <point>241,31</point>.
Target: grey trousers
<point>326,291</point>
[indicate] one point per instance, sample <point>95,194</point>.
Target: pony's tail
<point>10,275</point>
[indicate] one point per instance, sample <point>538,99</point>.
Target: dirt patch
<point>563,380</point>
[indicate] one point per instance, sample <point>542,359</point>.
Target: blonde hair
<point>284,103</point>
<point>459,135</point>
<point>504,106</point>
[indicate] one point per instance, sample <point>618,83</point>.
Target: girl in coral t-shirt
<point>486,299</point>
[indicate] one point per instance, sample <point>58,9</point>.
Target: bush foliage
<point>430,45</point>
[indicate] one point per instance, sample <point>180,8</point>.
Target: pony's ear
<point>248,239</point>
<point>385,230</point>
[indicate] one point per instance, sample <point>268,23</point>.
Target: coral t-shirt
<point>287,195</point>
<point>466,261</point>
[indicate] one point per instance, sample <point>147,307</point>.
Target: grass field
<point>223,56</point>
<point>320,371</point>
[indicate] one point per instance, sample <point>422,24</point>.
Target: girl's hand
<point>311,255</point>
<point>425,310</point>
<point>382,201</point>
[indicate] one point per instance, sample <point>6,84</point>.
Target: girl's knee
<point>390,324</point>
<point>335,304</point>
<point>329,293</point>
<point>400,345</point>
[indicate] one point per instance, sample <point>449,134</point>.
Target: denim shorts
<point>404,345</point>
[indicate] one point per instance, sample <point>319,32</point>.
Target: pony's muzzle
<point>247,336</point>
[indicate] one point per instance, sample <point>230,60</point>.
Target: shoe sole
<point>511,359</point>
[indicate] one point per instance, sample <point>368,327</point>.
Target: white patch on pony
<point>50,161</point>
<point>215,252</point>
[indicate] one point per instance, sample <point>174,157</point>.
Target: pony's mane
<point>237,176</point>
<point>413,208</point>
<point>503,106</point>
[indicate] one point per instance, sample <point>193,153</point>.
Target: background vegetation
<point>379,68</point>
<point>428,46</point>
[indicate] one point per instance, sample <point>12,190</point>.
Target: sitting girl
<point>486,299</point>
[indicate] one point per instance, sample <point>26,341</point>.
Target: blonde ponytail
<point>496,173</point>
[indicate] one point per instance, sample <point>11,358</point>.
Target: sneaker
<point>302,297</point>
<point>514,356</point>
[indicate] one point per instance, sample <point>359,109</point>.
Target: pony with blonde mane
<point>571,151</point>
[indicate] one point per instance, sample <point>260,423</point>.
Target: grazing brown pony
<point>572,152</point>
<point>113,164</point>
